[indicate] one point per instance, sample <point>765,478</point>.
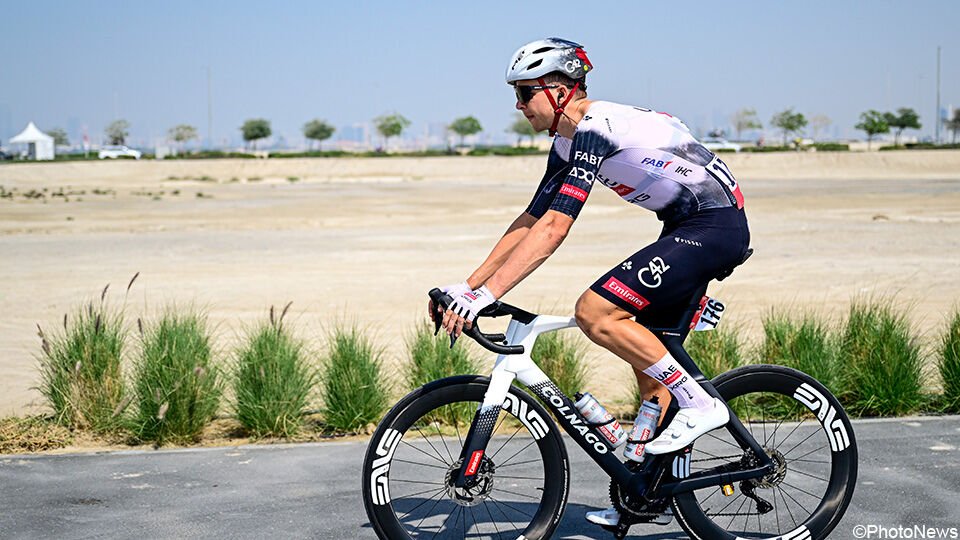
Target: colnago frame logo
<point>617,287</point>
<point>379,479</point>
<point>563,410</point>
<point>814,400</point>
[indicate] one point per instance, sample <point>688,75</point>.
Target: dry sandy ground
<point>364,239</point>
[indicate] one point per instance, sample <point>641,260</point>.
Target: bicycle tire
<point>763,386</point>
<point>390,515</point>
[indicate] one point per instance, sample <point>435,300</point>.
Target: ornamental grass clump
<point>948,363</point>
<point>272,380</point>
<point>176,382</point>
<point>561,356</point>
<point>883,359</point>
<point>80,367</point>
<point>715,351</point>
<point>353,386</point>
<point>431,358</point>
<point>804,344</point>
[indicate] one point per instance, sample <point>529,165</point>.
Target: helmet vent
<point>535,64</point>
<point>542,50</point>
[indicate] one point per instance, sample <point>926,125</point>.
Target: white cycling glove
<point>469,304</point>
<point>456,289</point>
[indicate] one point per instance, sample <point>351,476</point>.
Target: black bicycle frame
<point>647,482</point>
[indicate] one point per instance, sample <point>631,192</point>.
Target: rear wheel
<point>808,437</point>
<point>414,456</point>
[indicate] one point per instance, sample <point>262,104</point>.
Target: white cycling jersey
<point>648,158</point>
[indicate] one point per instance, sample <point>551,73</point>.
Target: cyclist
<point>651,160</point>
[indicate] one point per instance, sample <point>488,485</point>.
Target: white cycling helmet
<point>538,58</point>
<point>552,55</point>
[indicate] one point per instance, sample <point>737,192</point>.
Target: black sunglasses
<point>525,93</point>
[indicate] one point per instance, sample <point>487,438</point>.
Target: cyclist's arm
<point>543,238</point>
<point>501,252</point>
<point>568,195</point>
<point>557,169</point>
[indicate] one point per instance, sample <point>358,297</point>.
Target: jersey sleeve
<point>557,169</point>
<point>589,149</point>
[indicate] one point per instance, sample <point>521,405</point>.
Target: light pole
<point>937,116</point>
<point>209,107</point>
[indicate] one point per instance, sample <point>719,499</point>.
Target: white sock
<point>688,392</point>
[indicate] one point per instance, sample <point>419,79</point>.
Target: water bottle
<point>594,412</point>
<point>643,428</point>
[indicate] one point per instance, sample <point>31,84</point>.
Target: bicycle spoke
<point>424,452</point>
<point>723,441</point>
<point>784,492</point>
<point>420,431</point>
<point>801,490</point>
<point>810,475</point>
<point>502,465</point>
<point>783,496</point>
<point>801,442</point>
<point>444,524</point>
<point>417,482</point>
<point>795,428</point>
<point>456,425</point>
<point>763,420</point>
<point>418,463</point>
<point>519,451</point>
<point>811,460</point>
<point>776,512</point>
<point>519,477</point>
<point>499,507</point>
<point>439,432</point>
<point>430,510</point>
<point>510,507</point>
<point>431,490</point>
<point>737,513</point>
<point>808,453</point>
<point>492,521</point>
<point>518,494</point>
<point>773,434</point>
<point>507,441</point>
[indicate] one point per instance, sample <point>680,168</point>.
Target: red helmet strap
<point>557,109</point>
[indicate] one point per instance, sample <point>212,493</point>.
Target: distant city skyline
<point>80,66</point>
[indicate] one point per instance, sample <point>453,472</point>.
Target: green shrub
<point>831,147</point>
<point>877,349</point>
<point>353,385</point>
<point>431,358</point>
<point>949,363</point>
<point>768,149</point>
<point>177,385</point>
<point>80,368</point>
<point>505,151</point>
<point>715,351</point>
<point>272,380</point>
<point>804,345</point>
<point>561,356</point>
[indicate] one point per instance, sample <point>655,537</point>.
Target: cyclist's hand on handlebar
<point>454,291</point>
<point>465,308</point>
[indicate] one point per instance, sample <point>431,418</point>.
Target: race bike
<point>480,457</point>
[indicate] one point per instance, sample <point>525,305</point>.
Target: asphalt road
<point>909,476</point>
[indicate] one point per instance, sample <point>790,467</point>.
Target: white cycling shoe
<point>610,517</point>
<point>688,425</point>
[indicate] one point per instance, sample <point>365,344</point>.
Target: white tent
<point>39,144</point>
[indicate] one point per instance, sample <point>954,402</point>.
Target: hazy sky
<point>74,64</point>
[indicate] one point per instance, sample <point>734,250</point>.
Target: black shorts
<point>689,253</point>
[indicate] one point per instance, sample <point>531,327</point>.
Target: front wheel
<point>808,437</point>
<point>414,456</point>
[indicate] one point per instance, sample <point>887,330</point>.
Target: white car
<point>719,143</point>
<point>113,152</point>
